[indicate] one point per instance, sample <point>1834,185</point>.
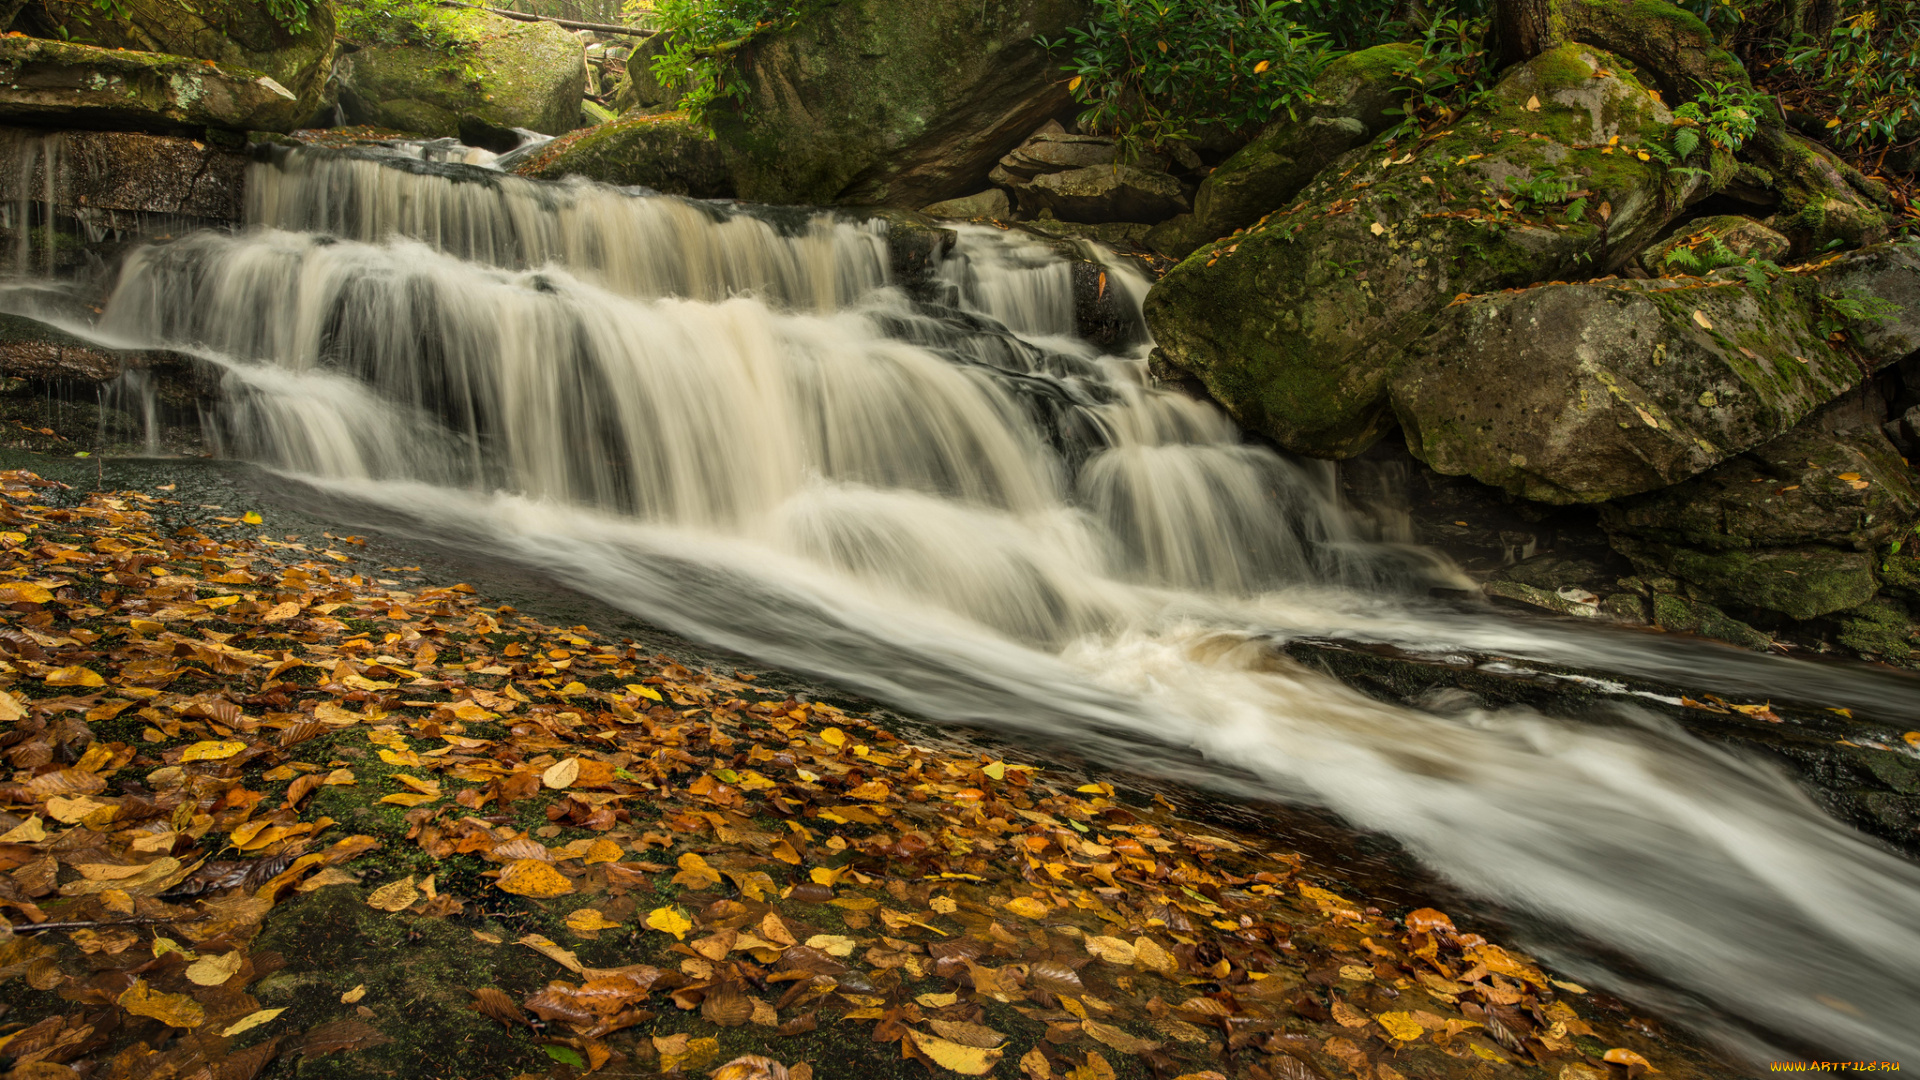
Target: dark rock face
<point>512,75</point>
<point>103,175</point>
<point>894,102</point>
<point>1791,527</point>
<point>1296,325</point>
<point>991,204</point>
<point>1101,193</point>
<point>243,33</point>
<point>54,83</point>
<point>1588,392</point>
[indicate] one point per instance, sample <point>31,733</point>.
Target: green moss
<point>1881,629</point>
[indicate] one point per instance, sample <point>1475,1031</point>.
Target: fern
<point>1685,141</point>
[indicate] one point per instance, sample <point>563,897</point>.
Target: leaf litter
<point>764,866</point>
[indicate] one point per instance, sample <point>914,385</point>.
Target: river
<point>738,424</point>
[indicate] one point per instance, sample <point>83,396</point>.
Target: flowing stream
<point>738,425</point>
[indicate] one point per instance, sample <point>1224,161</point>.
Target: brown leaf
<point>174,1010</point>
<point>394,896</point>
<point>968,1034</point>
<point>727,1006</point>
<point>341,1035</point>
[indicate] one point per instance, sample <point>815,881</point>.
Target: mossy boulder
<point>1570,393</point>
<point>1351,101</point>
<point>1296,325</point>
<point>894,102</point>
<point>1792,526</point>
<point>243,33</point>
<point>58,84</point>
<point>1822,199</point>
<point>664,152</point>
<point>500,74</point>
<point>1103,193</point>
<point>639,89</point>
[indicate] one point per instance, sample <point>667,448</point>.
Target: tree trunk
<point>1522,30</point>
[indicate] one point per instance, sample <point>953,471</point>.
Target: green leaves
<point>1154,73</point>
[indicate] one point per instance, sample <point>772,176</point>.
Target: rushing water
<point>736,424</point>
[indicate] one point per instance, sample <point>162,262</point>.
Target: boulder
<point>893,102</point>
<point>1102,193</point>
<point>508,74</point>
<point>991,203</point>
<point>1791,526</point>
<point>663,152</point>
<point>243,33</point>
<point>1296,325</point>
<point>1821,198</point>
<point>1585,392</point>
<point>593,114</point>
<point>1709,241</point>
<point>639,89</point>
<point>1052,150</point>
<point>58,84</point>
<point>1351,101</point>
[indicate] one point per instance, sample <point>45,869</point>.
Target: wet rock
<point>242,33</point>
<point>1566,600</point>
<point>38,354</point>
<point>55,83</point>
<point>1681,615</point>
<point>1595,391</point>
<point>1352,99</point>
<point>663,152</point>
<point>1121,234</point>
<point>1102,193</point>
<point>1297,326</point>
<point>894,102</point>
<point>511,75</point>
<point>114,179</point>
<point>1052,150</point>
<point>991,203</point>
<point>1791,527</point>
<point>1708,240</point>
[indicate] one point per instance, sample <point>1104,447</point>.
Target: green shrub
<point>705,35</point>
<point>1154,72</point>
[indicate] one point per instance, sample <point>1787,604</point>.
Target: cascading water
<point>737,425</point>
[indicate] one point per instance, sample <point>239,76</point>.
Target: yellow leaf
<point>1619,1056</point>
<point>353,996</point>
<point>1533,104</point>
<point>1074,84</point>
<point>394,896</point>
<point>250,1021</point>
<point>409,798</point>
<point>832,944</point>
<point>1833,124</point>
<point>535,878</point>
<point>945,905</point>
<point>1377,228</point>
<point>589,921</point>
<point>1111,949</point>
<point>936,1001</point>
<point>955,1057</point>
<point>75,676</point>
<point>23,592</point>
<point>252,517</point>
<point>1262,66</point>
<point>643,691</point>
<point>218,750</point>
<point>214,970</point>
<point>602,850</point>
<point>695,873</point>
<point>833,736</point>
<point>1701,318</point>
<point>1163,46</point>
<point>29,831</point>
<point>1028,907</point>
<point>1576,988</point>
<point>10,708</point>
<point>561,774</point>
<point>548,948</point>
<point>174,1010</point>
<point>670,921</point>
<point>1400,1025</point>
<point>74,811</point>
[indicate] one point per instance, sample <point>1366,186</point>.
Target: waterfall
<point>740,425</point>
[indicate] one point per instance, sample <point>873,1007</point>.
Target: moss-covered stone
<point>59,84</point>
<point>663,152</point>
<point>501,74</point>
<point>1822,199</point>
<point>639,89</point>
<point>1705,239</point>
<point>1684,616</point>
<point>894,102</point>
<point>1296,325</point>
<point>1882,629</point>
<point>243,33</point>
<point>1589,392</point>
<point>1803,582</point>
<point>1351,101</point>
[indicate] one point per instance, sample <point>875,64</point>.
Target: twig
<point>35,928</point>
<point>571,24</point>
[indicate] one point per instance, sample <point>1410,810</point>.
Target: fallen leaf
<point>218,750</point>
<point>589,920</point>
<point>174,1010</point>
<point>1028,907</point>
<point>394,896</point>
<point>29,831</point>
<point>1400,1025</point>
<point>670,921</point>
<point>354,995</point>
<point>1621,1056</point>
<point>23,592</point>
<point>1533,103</point>
<point>1701,318</point>
<point>954,1057</point>
<point>535,878</point>
<point>832,944</point>
<point>250,1021</point>
<point>561,774</point>
<point>74,676</point>
<point>214,970</point>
